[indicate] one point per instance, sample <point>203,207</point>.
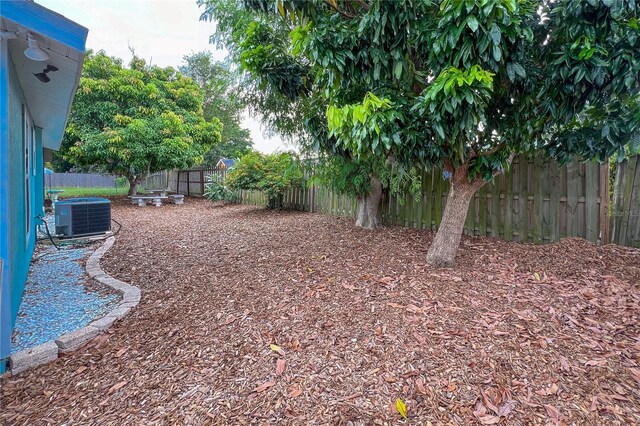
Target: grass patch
<point>70,192</point>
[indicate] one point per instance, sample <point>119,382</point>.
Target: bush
<point>216,190</point>
<point>272,174</point>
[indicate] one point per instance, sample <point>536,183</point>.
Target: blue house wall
<point>5,272</point>
<point>23,211</point>
<point>22,141</point>
<point>22,198</point>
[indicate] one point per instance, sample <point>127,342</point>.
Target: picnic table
<point>161,192</point>
<point>156,200</point>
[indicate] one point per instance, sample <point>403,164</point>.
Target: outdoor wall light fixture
<point>42,76</point>
<point>7,35</point>
<point>34,51</point>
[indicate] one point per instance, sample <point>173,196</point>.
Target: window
<point>27,141</point>
<point>34,165</point>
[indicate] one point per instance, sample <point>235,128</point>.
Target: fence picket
<point>523,195</point>
<point>482,211</point>
<point>508,206</point>
<point>629,167</point>
<point>437,205</point>
<point>591,202</point>
<point>572,199</point>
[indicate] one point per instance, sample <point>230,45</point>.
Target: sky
<point>160,31</point>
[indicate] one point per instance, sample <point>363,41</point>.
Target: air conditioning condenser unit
<point>77,217</point>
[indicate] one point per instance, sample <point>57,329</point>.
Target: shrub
<point>272,174</point>
<point>216,190</point>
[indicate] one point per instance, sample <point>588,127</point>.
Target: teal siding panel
<point>19,247</point>
<point>5,288</point>
<point>19,242</point>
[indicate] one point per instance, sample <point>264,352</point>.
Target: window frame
<point>27,140</point>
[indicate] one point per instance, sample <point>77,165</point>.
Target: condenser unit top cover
<point>83,216</point>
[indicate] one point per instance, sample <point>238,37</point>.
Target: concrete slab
<point>131,295</point>
<point>29,358</point>
<point>72,341</point>
<point>118,285</point>
<point>103,323</point>
<point>120,312</point>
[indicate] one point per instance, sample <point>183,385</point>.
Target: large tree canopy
<point>137,120</point>
<point>272,79</point>
<point>223,100</point>
<point>467,84</point>
<point>280,87</point>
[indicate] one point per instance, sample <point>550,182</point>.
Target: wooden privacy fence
<point>156,181</point>
<point>625,209</point>
<point>535,201</point>
<point>188,182</point>
<point>191,181</point>
<point>79,180</point>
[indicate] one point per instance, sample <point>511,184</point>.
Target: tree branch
<point>509,160</point>
<point>364,4</point>
<point>493,150</point>
<point>344,14</point>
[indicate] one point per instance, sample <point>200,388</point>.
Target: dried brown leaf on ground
<point>552,412</point>
<point>295,392</point>
<point>117,386</point>
<point>264,387</point>
<point>121,352</point>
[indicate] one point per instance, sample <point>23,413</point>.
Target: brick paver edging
<point>47,352</point>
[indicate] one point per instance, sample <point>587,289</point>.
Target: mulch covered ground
<point>516,334</point>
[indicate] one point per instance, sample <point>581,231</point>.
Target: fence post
<point>605,198</point>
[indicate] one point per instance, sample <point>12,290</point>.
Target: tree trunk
<point>445,245</point>
<point>134,183</point>
<point>276,202</point>
<point>368,205</point>
<point>136,178</point>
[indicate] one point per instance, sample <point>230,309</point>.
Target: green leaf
<point>397,70</point>
<point>511,73</point>
<point>472,22</point>
<point>497,53</point>
<point>519,70</point>
<point>496,34</point>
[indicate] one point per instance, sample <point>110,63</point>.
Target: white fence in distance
<point>79,180</point>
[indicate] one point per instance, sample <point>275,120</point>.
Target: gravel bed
<point>58,297</point>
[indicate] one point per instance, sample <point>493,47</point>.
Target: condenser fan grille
<point>90,218</point>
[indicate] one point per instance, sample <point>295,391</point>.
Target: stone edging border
<point>47,352</point>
